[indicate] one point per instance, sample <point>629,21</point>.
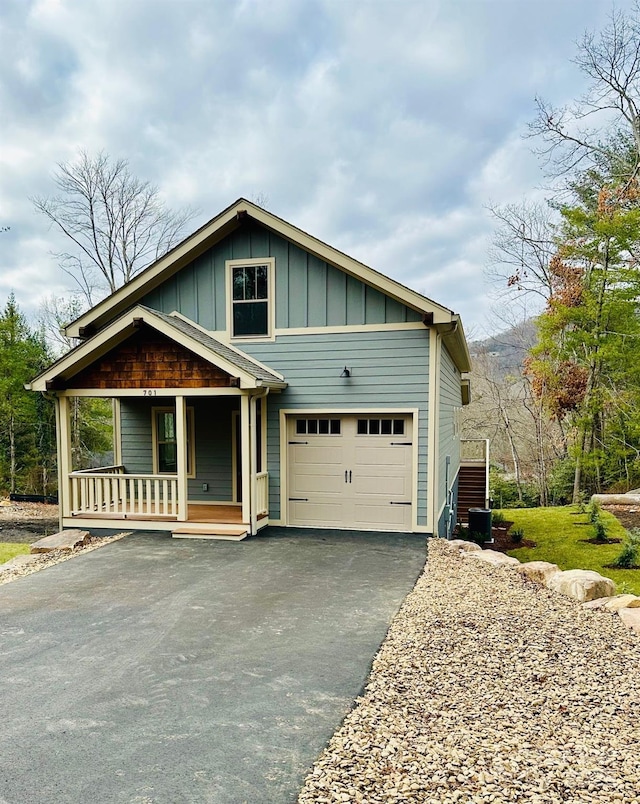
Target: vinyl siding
<point>450,399</point>
<point>308,292</point>
<point>390,370</point>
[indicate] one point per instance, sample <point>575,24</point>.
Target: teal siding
<point>308,293</point>
<point>450,398</point>
<point>213,432</point>
<point>389,370</point>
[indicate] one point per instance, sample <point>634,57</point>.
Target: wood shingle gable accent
<point>148,359</point>
<point>230,361</point>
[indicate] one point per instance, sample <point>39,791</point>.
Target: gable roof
<point>250,372</point>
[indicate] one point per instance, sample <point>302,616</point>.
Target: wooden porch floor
<point>215,514</point>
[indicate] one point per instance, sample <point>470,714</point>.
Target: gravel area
<point>489,688</point>
<point>27,522</point>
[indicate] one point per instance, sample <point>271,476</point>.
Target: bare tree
<point>523,245</point>
<point>602,128</point>
<point>117,223</point>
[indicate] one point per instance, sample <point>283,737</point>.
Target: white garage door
<point>350,471</point>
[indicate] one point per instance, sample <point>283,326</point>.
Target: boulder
<point>492,557</point>
<point>468,547</point>
<point>621,602</point>
<point>538,571</point>
<point>581,585</point>
<point>631,618</point>
<point>598,603</point>
<point>65,540</point>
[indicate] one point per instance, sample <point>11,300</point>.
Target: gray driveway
<point>170,671</point>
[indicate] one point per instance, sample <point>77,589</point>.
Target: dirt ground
<point>27,522</point>
<point>629,515</point>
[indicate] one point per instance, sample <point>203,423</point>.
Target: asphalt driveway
<point>171,671</point>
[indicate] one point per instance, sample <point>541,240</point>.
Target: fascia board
<point>217,228</point>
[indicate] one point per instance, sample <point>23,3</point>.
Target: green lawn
<point>11,549</point>
<point>560,533</point>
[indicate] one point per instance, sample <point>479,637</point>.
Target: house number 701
<point>149,392</point>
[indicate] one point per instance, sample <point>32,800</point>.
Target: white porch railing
<point>109,492</point>
<point>262,493</point>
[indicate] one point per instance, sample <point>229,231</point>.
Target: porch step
<point>233,533</point>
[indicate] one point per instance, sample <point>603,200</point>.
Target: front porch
<point>98,497</point>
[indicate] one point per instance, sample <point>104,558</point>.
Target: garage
<point>350,471</point>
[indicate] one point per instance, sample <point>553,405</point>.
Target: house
<point>260,376</point>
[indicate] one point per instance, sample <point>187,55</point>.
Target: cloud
<point>382,128</point>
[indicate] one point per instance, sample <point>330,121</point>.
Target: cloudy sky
<point>383,127</point>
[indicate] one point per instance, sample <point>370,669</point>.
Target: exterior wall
<point>390,370</point>
<point>450,402</point>
<point>213,433</point>
<point>308,293</point>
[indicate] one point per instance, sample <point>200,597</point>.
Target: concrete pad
<point>162,670</point>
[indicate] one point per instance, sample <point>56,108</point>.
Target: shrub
<point>593,509</point>
<point>477,537</point>
<point>497,518</point>
<point>599,530</point>
<point>630,554</point>
<point>517,535</point>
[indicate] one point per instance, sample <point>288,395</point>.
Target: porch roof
<point>249,372</point>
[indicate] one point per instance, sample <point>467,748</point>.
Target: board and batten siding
<point>309,292</point>
<point>450,402</point>
<point>213,439</point>
<point>389,370</point>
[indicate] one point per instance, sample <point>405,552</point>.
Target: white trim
<point>246,457</point>
<point>432,456</point>
<point>229,265</point>
<point>351,411</point>
<point>64,456</point>
<point>149,393</point>
<point>337,329</point>
<point>154,437</point>
<point>181,450</point>
<point>117,431</point>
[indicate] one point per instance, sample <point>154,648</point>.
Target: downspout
<point>253,441</point>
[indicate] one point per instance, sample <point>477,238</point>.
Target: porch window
<point>250,294</point>
<point>165,445</point>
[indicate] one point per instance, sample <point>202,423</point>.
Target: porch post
<point>64,456</point>
<point>253,446</point>
<point>181,449</point>
<point>117,432</point>
<point>246,464</point>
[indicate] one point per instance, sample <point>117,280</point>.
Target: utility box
<point>480,522</point>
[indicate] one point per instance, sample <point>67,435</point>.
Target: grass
<point>11,549</point>
<point>559,534</point>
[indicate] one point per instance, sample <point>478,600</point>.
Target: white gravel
<point>489,688</point>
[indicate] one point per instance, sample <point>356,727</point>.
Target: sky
<point>383,127</point>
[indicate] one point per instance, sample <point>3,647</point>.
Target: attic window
<point>251,292</point>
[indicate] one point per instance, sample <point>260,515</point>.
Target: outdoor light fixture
<point>345,372</point>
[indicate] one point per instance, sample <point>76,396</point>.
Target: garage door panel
<point>323,513</point>
<point>317,455</point>
<point>381,486</point>
<point>374,455</point>
<point>394,517</point>
<point>319,482</point>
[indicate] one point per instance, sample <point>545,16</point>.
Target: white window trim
<point>271,297</point>
<point>192,440</point>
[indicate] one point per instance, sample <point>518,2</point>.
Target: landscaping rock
<point>492,557</point>
<point>621,602</point>
<point>596,604</point>
<point>539,571</point>
<point>462,544</point>
<point>581,585</point>
<point>65,540</point>
<point>631,618</point>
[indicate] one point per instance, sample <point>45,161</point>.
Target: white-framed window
<point>165,445</point>
<point>250,295</point>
